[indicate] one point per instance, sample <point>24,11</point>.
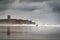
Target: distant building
<point>15,21</point>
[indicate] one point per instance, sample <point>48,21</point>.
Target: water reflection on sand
<point>28,36</point>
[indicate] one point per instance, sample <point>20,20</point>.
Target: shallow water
<point>43,33</point>
<point>28,36</point>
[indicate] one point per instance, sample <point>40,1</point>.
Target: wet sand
<point>28,36</point>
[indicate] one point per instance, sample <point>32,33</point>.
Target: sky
<point>41,12</point>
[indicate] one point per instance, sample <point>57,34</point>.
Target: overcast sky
<point>42,12</point>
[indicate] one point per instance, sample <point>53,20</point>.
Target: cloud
<point>55,6</point>
<point>32,0</point>
<point>3,7</point>
<point>27,6</point>
<point>40,12</point>
<point>36,0</point>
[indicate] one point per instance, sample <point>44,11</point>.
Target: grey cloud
<point>28,6</point>
<point>32,0</point>
<point>3,7</point>
<point>56,9</point>
<point>40,12</point>
<point>55,6</point>
<point>36,0</point>
<point>25,7</point>
<point>6,1</point>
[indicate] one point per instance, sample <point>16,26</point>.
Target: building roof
<point>15,21</point>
